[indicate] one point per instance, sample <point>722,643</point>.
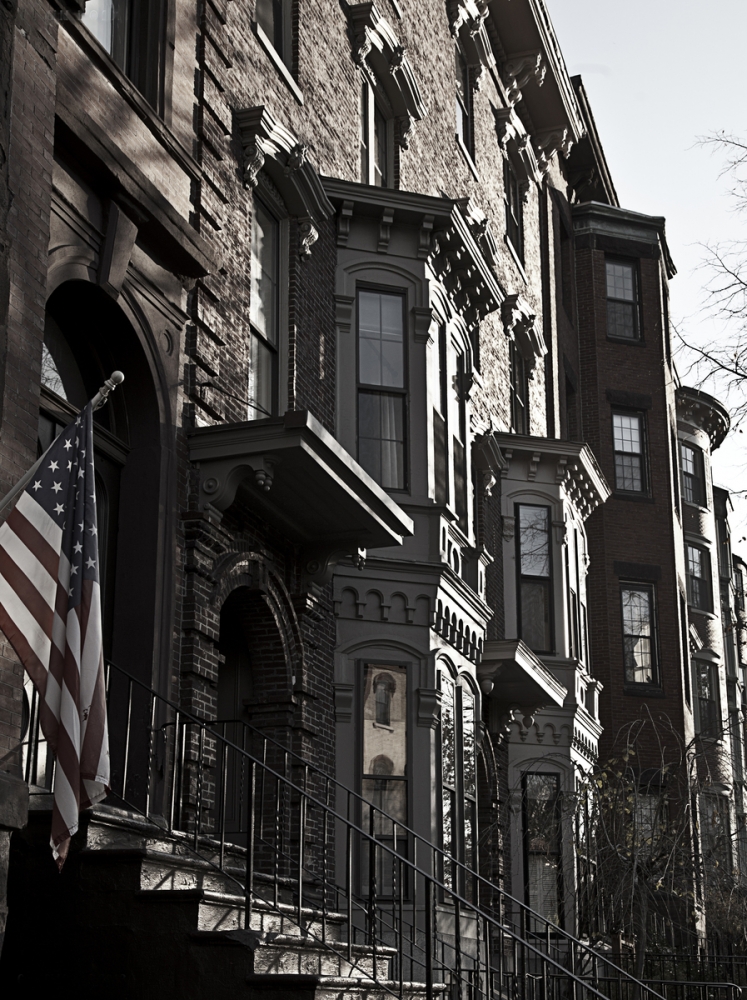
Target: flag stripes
<point>50,611</point>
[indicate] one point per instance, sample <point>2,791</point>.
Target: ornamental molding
<point>467,24</point>
<point>516,144</point>
<point>520,69</point>
<point>481,230</point>
<point>698,409</point>
<point>550,142</point>
<point>521,326</point>
<point>271,151</point>
<point>376,49</point>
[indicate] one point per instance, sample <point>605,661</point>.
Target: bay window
<point>639,634</point>
<point>693,480</point>
<point>628,441</point>
<point>535,577</point>
<point>622,301</point>
<point>382,387</point>
<point>542,869</point>
<point>699,587</point>
<point>709,703</point>
<point>458,783</point>
<point>264,313</point>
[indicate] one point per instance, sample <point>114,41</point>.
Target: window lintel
<point>377,50</point>
<point>521,326</point>
<point>268,145</point>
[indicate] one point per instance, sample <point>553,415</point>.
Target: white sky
<point>659,74</point>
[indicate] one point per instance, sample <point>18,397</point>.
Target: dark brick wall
<point>641,530</point>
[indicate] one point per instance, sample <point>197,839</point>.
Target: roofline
<point>594,141</point>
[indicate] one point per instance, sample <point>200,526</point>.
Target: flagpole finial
<point>115,379</point>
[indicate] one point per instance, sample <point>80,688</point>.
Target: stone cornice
<point>467,23</point>
<point>698,408</point>
<point>576,468</point>
<point>521,326</point>
<point>377,49</point>
<point>268,145</point>
<point>452,245</point>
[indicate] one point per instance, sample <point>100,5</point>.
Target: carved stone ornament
<point>549,143</point>
<point>521,326</point>
<point>270,148</point>
<point>515,143</point>
<point>467,23</point>
<point>481,229</point>
<point>377,49</point>
<point>519,70</point>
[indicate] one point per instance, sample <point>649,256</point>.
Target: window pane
<point>364,133</point>
<point>620,282</point>
<point>381,438</point>
<point>534,541</point>
<point>98,17</point>
<point>535,615</point>
<point>542,843</point>
<point>261,383</point>
<point>384,743</point>
<point>381,149</point>
<point>264,275</point>
<point>637,635</point>
<point>628,473</point>
<point>621,320</point>
<point>381,339</point>
<point>448,773</point>
<point>269,15</point>
<point>627,430</point>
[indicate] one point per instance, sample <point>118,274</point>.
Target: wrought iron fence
<point>395,907</point>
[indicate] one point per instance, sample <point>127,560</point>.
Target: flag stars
<point>57,487</point>
<point>54,466</point>
<point>59,509</point>
<point>81,526</point>
<point>73,570</point>
<point>37,485</point>
<point>77,547</point>
<point>68,444</point>
<point>90,563</point>
<point>81,473</point>
<point>93,529</point>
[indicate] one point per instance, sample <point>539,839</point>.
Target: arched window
<point>384,687</point>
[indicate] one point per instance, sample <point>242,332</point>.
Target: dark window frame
<point>635,304</point>
<point>548,581</point>
<point>375,109</point>
<point>693,483</point>
<point>519,376</point>
<point>462,804</point>
<point>254,331</point>
<point>514,208</point>
<point>700,602</point>
<point>463,104</point>
<point>281,34</point>
<point>645,490</point>
<point>650,589</point>
<point>710,721</point>
<point>404,392</point>
<point>525,840</point>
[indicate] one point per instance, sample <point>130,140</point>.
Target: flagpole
<point>115,379</point>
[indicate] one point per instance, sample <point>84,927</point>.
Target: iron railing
<point>394,907</point>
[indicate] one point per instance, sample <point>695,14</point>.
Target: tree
<point>655,845</point>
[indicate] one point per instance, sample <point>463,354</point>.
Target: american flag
<point>50,610</point>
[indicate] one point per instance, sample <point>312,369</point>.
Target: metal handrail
<point>414,915</point>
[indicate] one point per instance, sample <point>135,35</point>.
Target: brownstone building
<point>370,496</point>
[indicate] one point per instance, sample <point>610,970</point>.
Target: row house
<point>395,527</point>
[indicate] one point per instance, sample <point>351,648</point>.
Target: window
<point>622,301</point>
<point>535,578</point>
<point>519,392</point>
<point>693,480</point>
<point>274,18</point>
<point>440,421</point>
<point>381,387</point>
<point>698,578</point>
<point>739,585</point>
<point>460,450</point>
<point>376,141</point>
<point>709,709</point>
<point>132,32</point>
<point>639,634</point>
<point>630,468</point>
<point>542,870</point>
<point>458,782</point>
<point>463,102</point>
<point>264,313</point>
<point>384,783</point>
<point>514,209</point>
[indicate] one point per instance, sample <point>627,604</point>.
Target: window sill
<point>468,157</point>
<point>696,506</point>
<point>709,615</point>
<point>280,66</point>
<point>517,259</point>
<point>380,725</point>
<point>629,342</point>
<point>132,96</point>
<point>643,691</point>
<point>635,497</point>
